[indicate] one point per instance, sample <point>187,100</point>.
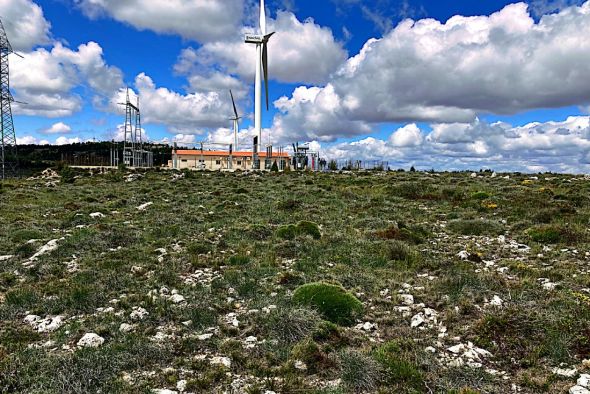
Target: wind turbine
<point>261,41</point>
<point>236,119</point>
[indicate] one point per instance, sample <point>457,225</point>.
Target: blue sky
<point>495,91</point>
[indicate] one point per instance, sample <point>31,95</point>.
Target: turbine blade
<point>233,103</point>
<point>262,18</point>
<point>265,70</point>
<point>266,37</point>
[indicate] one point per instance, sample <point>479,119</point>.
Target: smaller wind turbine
<point>236,120</point>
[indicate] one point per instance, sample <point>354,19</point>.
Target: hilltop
<point>295,282</point>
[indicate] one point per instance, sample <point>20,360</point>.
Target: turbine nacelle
<point>254,39</point>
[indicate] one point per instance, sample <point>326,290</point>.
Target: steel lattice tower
<point>9,152</point>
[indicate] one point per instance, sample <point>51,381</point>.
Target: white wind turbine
<point>261,41</point>
<point>235,119</point>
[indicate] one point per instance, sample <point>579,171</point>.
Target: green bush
<point>239,260</point>
<point>25,235</point>
<point>480,195</point>
<point>545,234</point>
<point>302,228</point>
<point>395,357</point>
<point>309,228</point>
<point>332,301</point>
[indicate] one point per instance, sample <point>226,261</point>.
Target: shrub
<point>25,235</point>
<point>395,358</point>
<point>310,353</point>
<point>239,260</point>
<point>309,228</point>
<point>290,325</point>
<point>332,301</point>
<point>545,234</point>
<point>480,196</point>
<point>259,232</point>
<point>302,228</point>
<point>359,373</point>
<point>287,232</point>
<point>274,168</point>
<point>476,227</point>
<point>289,204</point>
<point>400,251</point>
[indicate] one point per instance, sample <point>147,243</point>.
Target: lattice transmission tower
<point>9,152</point>
<point>134,154</point>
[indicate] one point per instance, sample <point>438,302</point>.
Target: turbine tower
<point>7,134</point>
<point>261,41</point>
<point>235,119</point>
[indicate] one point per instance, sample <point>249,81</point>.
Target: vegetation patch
<point>332,301</point>
<point>302,228</point>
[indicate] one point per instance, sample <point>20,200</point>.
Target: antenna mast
<point>9,156</point>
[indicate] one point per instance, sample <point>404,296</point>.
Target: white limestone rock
<point>579,390</point>
<point>584,380</point>
<point>218,360</point>
<point>145,206</point>
<point>407,299</point>
<point>91,340</point>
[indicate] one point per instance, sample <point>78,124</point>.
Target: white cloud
<point>301,52</point>
<point>200,20</point>
<point>45,79</point>
<point>66,141</point>
<point>24,23</point>
<point>181,113</point>
<point>31,140</point>
<point>57,128</point>
<point>409,135</point>
<point>433,72</point>
<point>560,146</point>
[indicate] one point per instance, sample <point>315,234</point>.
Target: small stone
<point>145,206</point>
<point>457,349</point>
<point>164,391</point>
<point>138,313</point>
<point>407,299</point>
<point>177,298</point>
<point>496,301</point>
<point>91,340</point>
<point>97,215</point>
<point>584,380</point>
<point>578,390</point>
<point>125,327</point>
<point>181,385</point>
<point>568,373</point>
<point>300,365</point>
<point>417,320</point>
<point>225,361</point>
<point>204,337</point>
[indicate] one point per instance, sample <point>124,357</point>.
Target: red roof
<point>198,152</point>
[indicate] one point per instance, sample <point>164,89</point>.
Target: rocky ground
<point>164,282</point>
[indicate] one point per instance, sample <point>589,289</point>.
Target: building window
<point>218,162</point>
<point>201,161</point>
<point>184,160</point>
<point>239,162</point>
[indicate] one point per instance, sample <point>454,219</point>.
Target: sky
<point>449,85</point>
